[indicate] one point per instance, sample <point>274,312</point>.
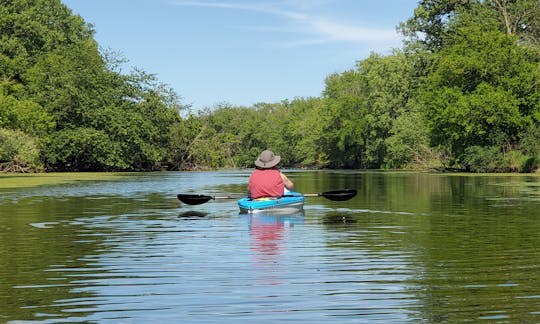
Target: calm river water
<point>410,248</point>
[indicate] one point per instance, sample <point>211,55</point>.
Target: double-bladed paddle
<point>336,195</point>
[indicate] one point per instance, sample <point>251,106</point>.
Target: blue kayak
<point>290,203</point>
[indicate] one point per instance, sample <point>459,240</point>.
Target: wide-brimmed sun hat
<point>267,160</point>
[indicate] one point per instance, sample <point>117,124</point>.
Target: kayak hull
<point>291,203</point>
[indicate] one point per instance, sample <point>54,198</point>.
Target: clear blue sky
<point>242,52</point>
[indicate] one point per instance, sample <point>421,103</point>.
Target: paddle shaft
<point>338,195</point>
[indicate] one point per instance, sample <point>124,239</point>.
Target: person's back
<point>266,183</point>
<point>267,180</point>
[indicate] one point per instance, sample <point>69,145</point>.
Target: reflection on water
<point>268,230</point>
<point>410,247</point>
<point>268,234</point>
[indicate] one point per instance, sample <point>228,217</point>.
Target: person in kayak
<point>266,180</point>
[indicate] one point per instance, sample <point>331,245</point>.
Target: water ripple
<point>129,256</point>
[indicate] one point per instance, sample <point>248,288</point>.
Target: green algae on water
<point>28,180</point>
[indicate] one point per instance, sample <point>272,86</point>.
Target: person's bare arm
<point>288,183</point>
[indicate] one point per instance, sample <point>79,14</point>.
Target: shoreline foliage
<point>462,94</point>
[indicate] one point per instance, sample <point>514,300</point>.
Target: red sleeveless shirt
<point>266,183</point>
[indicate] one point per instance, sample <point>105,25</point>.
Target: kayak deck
<point>291,203</point>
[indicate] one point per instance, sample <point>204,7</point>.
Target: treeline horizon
<point>462,93</point>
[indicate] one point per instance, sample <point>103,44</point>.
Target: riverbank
<point>29,180</point>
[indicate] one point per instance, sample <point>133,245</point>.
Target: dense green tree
<point>305,132</point>
<point>275,131</point>
<point>68,83</point>
<point>429,24</point>
<point>517,17</point>
<point>135,111</point>
<point>363,106</point>
<point>387,89</point>
<point>81,149</point>
<point>31,28</point>
<point>234,136</point>
<point>184,136</point>
<point>24,115</point>
<point>56,84</point>
<point>434,21</point>
<point>408,143</point>
<point>343,123</point>
<point>215,142</point>
<point>478,61</point>
<point>481,92</point>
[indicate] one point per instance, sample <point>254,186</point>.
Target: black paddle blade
<point>339,195</point>
<point>191,199</point>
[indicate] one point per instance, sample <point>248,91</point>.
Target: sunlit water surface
<point>411,247</point>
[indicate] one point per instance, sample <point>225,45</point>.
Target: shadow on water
<point>193,214</point>
<point>340,218</point>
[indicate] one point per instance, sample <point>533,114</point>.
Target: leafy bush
<point>530,146</point>
<point>531,164</point>
<point>492,159</point>
<point>515,160</point>
<point>529,143</point>
<point>484,159</point>
<point>18,152</point>
<point>408,144</point>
